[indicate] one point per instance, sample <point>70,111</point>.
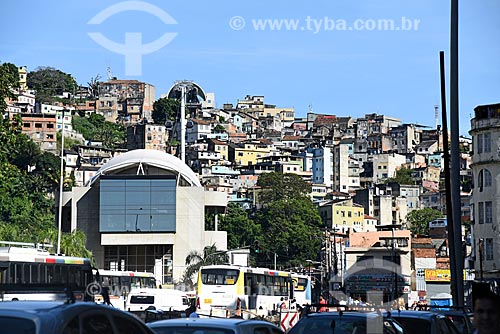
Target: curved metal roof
<point>154,158</point>
<point>174,92</point>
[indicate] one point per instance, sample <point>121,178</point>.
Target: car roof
<point>29,306</point>
<point>415,314</point>
<point>370,315</point>
<point>234,322</point>
<point>54,308</point>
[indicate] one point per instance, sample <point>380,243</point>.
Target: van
<point>161,299</point>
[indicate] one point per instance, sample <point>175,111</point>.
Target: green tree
<point>418,220</point>
<point>28,178</point>
<point>195,260</point>
<point>278,186</point>
<point>291,229</point>
<point>403,176</point>
<point>165,109</point>
<point>97,128</point>
<point>219,128</point>
<point>9,79</point>
<point>241,230</point>
<point>48,82</point>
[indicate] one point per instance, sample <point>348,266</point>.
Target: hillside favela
<point>168,206</point>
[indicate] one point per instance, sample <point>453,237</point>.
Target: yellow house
<point>343,214</point>
<point>248,152</point>
<point>220,147</point>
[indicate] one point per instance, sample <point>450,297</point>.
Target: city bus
<point>301,289</point>
<point>29,272</point>
<point>120,284</point>
<point>223,289</point>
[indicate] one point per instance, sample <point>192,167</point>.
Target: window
<point>138,205</point>
<point>488,212</point>
<point>487,178</point>
<point>480,212</point>
<point>480,179</point>
<point>487,142</point>
<point>489,249</point>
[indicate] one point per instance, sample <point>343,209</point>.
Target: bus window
<point>19,273</point>
<point>219,276</point>
<point>27,275</point>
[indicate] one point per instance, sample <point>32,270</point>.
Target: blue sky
<point>337,71</point>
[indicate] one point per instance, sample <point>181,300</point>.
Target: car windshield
<point>191,330</point>
<point>17,326</point>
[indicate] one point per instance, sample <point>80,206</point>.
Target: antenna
<point>436,114</point>
<point>108,73</point>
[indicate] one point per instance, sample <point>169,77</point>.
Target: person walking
<point>105,292</point>
<point>322,301</point>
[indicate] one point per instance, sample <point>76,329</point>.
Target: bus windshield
<point>299,283</point>
<point>219,276</point>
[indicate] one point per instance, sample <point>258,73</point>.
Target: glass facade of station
<point>142,204</point>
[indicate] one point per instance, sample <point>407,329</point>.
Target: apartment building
<point>485,202</point>
<point>41,129</point>
<point>147,136</point>
<point>127,98</point>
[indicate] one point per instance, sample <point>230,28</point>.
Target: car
<point>26,317</point>
<point>461,319</point>
<point>214,326</point>
<point>429,322</point>
<point>346,322</point>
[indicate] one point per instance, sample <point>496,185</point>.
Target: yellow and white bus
<point>301,289</point>
<point>120,284</point>
<point>256,291</point>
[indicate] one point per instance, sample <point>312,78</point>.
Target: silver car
<point>214,326</point>
<point>23,317</point>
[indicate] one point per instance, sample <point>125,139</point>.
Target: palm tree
<point>195,260</point>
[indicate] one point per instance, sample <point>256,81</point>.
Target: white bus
<point>28,272</point>
<point>121,283</point>
<point>301,289</point>
<point>256,291</point>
